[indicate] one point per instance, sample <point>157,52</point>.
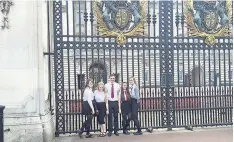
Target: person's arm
<point>119,98</point>
<point>90,100</point>
<point>106,101</point>
<point>137,95</point>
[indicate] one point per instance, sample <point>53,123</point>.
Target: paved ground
<point>224,134</point>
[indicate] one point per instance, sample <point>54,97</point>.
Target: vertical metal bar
<point>209,93</point>
<point>199,79</point>
<point>178,63</point>
<point>166,70</point>
<point>98,75</point>
<point>110,58</point>
<point>116,72</point>
<point>188,113</point>
<point>229,88</point>
<point>149,75</point>
<point>49,58</point>
<point>155,77</point>
<point>225,85</point>
<point>133,60</point>
<point>144,88</point>
<point>215,87</point>
<point>183,62</point>
<point>121,56</point>
<point>127,50</point>
<point>58,67</point>
<point>204,93</point>
<point>192,114</point>
<point>220,89</point>
<point>81,70</point>
<point>86,48</point>
<point>139,73</point>
<point>69,117</point>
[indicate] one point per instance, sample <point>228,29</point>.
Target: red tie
<point>112,91</point>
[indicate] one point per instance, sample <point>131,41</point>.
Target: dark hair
<point>122,93</point>
<point>87,82</point>
<point>86,85</point>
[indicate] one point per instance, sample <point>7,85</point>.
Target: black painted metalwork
<point>183,80</point>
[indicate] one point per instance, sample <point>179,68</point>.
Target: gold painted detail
<point>211,20</point>
<point>120,35</point>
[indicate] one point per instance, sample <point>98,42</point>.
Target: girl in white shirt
<point>88,108</point>
<point>135,99</point>
<point>102,105</point>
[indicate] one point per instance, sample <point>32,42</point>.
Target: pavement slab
<point>180,135</point>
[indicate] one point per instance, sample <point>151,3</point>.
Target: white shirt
<point>99,96</point>
<point>88,95</point>
<point>134,92</point>
<point>116,91</point>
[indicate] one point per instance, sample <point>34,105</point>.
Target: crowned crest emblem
<point>209,19</point>
<point>120,19</point>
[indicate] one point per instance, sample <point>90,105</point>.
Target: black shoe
<point>138,133</point>
<point>89,136</point>
<point>80,133</point>
<point>116,133</point>
<point>126,132</point>
<point>109,134</point>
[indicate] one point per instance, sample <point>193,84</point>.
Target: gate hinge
<point>47,53</point>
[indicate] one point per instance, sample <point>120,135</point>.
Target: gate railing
<point>165,61</point>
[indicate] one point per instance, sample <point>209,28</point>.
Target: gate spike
<point>153,93</point>
<point>186,91</point>
<point>218,91</point>
<point>212,91</point>
<point>175,91</point>
<point>192,92</point>
<point>147,92</point>
<point>181,92</point>
<point>66,94</point>
<point>222,91</point>
<point>197,91</point>
<point>73,95</point>
<point>158,91</point>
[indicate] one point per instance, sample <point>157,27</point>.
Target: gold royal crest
<point>208,19</point>
<point>120,19</point>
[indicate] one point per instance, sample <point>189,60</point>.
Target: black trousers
<point>113,112</point>
<point>101,107</point>
<point>87,124</point>
<point>126,114</point>
<point>126,120</point>
<point>134,114</point>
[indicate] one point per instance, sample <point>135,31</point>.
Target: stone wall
<point>24,74</point>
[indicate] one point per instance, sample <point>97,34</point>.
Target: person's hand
<point>107,111</point>
<point>119,111</point>
<point>93,112</point>
<point>97,112</point>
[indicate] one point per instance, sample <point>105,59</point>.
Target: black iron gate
<point>179,51</point>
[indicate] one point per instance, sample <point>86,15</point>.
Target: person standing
<point>102,105</point>
<point>125,107</point>
<point>135,100</point>
<point>88,109</point>
<point>113,90</point>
